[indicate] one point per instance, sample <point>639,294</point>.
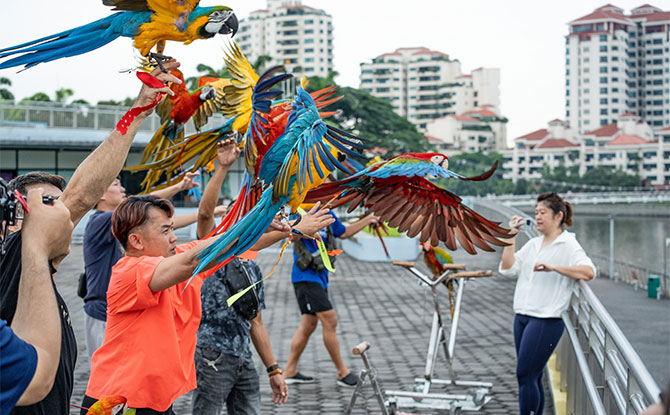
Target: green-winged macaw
<point>398,192</point>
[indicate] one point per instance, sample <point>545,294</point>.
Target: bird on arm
<point>399,192</point>
<point>174,111</point>
<point>150,23</point>
<point>299,160</point>
<point>435,258</point>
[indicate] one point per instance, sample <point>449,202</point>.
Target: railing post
<point>96,121</point>
<point>51,117</point>
<point>611,219</point>
<point>74,119</point>
<point>27,117</point>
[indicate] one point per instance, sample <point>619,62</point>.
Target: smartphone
<point>522,222</point>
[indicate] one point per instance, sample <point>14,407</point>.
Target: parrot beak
<point>424,246</point>
<point>230,26</point>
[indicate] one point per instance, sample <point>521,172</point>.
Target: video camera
<point>8,203</point>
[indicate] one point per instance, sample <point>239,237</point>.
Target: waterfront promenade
<point>385,305</point>
<point>376,302</point>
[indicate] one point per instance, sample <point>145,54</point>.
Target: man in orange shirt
<point>152,316</point>
<point>152,321</point>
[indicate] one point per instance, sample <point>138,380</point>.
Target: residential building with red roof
<point>480,130</point>
<point>423,84</point>
<point>627,144</point>
<point>297,36</point>
<point>617,63</point>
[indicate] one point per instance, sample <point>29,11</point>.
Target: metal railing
<point>632,274</point>
<point>639,195</point>
<point>600,371</point>
<point>55,115</point>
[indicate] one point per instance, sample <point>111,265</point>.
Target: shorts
<point>312,297</point>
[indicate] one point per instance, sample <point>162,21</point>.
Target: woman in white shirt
<point>548,268</point>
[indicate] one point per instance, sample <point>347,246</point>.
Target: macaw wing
<point>207,109</point>
<point>443,256</point>
<point>237,99</point>
<point>312,154</point>
<point>128,5</point>
<point>178,10</point>
<point>164,108</point>
<point>418,207</point>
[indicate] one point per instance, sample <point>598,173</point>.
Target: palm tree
<point>4,92</point>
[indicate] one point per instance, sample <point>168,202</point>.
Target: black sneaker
<point>299,378</point>
<point>348,381</point>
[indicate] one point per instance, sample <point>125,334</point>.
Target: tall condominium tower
<point>423,84</point>
<point>298,36</point>
<point>617,64</point>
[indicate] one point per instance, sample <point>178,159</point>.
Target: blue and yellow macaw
<point>149,22</point>
<point>398,191</point>
<point>299,160</point>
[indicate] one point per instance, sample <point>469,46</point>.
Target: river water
<point>638,240</point>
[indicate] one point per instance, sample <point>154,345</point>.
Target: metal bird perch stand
<point>422,398</point>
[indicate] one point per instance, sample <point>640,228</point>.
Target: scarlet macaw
<point>106,405</point>
<point>435,258</point>
<point>174,112</point>
<point>149,22</point>
<point>397,191</point>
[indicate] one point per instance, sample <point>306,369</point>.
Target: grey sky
<point>525,39</point>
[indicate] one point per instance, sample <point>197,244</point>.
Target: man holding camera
<point>30,349</point>
<point>84,190</point>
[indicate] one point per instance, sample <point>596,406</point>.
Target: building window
<point>603,111</point>
<point>309,31</point>
<point>603,90</point>
<point>603,38</point>
<point>603,59</point>
<point>603,48</point>
<point>603,79</point>
<point>603,69</point>
<point>310,40</point>
<point>603,101</point>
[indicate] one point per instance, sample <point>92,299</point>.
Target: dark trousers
<point>226,381</point>
<point>88,401</point>
<point>535,340</point>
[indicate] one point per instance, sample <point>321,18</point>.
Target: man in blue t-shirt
<point>310,283</point>
<point>102,251</point>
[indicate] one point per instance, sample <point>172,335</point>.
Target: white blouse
<point>545,294</point>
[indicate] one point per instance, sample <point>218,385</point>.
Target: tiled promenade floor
<point>376,302</point>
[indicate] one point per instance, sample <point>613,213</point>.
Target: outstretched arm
<point>226,154</point>
<point>186,184</point>
<point>101,167</point>
<point>354,228</point>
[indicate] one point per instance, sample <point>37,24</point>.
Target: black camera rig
<point>8,203</point>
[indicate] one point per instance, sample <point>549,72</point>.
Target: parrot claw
<point>158,59</point>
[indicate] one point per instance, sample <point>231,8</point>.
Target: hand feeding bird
<point>150,23</point>
<point>398,191</point>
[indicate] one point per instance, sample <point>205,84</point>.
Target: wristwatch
<point>274,370</point>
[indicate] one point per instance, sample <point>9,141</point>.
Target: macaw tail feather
<point>243,235</point>
<point>247,198</point>
<point>68,43</point>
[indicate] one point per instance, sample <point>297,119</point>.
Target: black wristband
<point>297,221</point>
<point>273,367</point>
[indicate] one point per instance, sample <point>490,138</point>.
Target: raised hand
<point>227,152</point>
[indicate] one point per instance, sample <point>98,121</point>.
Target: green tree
<point>206,70</point>
<point>4,92</point>
<point>371,118</point>
<point>474,164</point>
<point>261,62</point>
<point>62,95</point>
<point>39,96</point>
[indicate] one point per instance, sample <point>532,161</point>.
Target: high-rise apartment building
<point>292,34</point>
<point>617,64</point>
<point>423,85</point>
